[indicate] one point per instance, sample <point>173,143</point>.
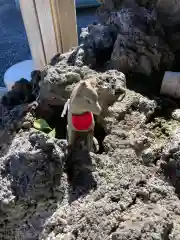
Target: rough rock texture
<point>132,201</point>
<point>30,174</point>
<point>121,194</point>
<point>170,160</point>
<point>176,115</point>
<point>59,80</point>
<point>167,13</point>
<point>131,189</point>
<point>129,38</point>
<point>21,92</point>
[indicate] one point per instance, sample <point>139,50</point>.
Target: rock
<point>147,107</point>
<point>148,156</point>
<point>171,158</point>
<point>176,115</point>
<point>68,236</point>
<point>151,155</point>
<point>26,125</point>
<point>113,195</point>
<point>175,234</point>
<point>21,93</point>
<point>60,79</point>
<point>112,44</point>
<point>123,192</point>
<point>28,176</point>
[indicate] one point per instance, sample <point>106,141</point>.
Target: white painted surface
<point>33,32</point>
<point>18,71</point>
<point>171,84</point>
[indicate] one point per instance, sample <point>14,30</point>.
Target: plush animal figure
<point>83,103</point>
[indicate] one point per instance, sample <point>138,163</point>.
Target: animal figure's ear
<point>82,86</point>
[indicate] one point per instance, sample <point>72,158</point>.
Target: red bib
<point>82,122</point>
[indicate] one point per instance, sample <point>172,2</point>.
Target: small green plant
<point>42,125</point>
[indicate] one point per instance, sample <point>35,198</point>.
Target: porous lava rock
<point>128,191</point>
<point>31,166</point>
<point>122,193</point>
<point>128,37</point>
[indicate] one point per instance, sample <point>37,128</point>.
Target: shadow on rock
<point>20,93</point>
<point>171,170</point>
<point>171,161</point>
<point>79,172</point>
<point>170,173</point>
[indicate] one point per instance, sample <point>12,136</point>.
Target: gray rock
<point>171,158</point>
<point>152,155</point>
<point>26,125</point>
<point>118,194</point>
<point>129,38</point>
<point>60,79</point>
<point>131,201</point>
<point>30,176</point>
<point>176,114</point>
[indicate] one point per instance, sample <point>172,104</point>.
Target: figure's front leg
<point>71,136</point>
<point>95,145</point>
<point>90,135</point>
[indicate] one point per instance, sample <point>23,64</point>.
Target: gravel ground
<point>13,41</point>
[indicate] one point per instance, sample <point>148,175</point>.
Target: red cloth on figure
<point>82,122</point>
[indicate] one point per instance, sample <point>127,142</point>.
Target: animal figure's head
<point>84,98</point>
